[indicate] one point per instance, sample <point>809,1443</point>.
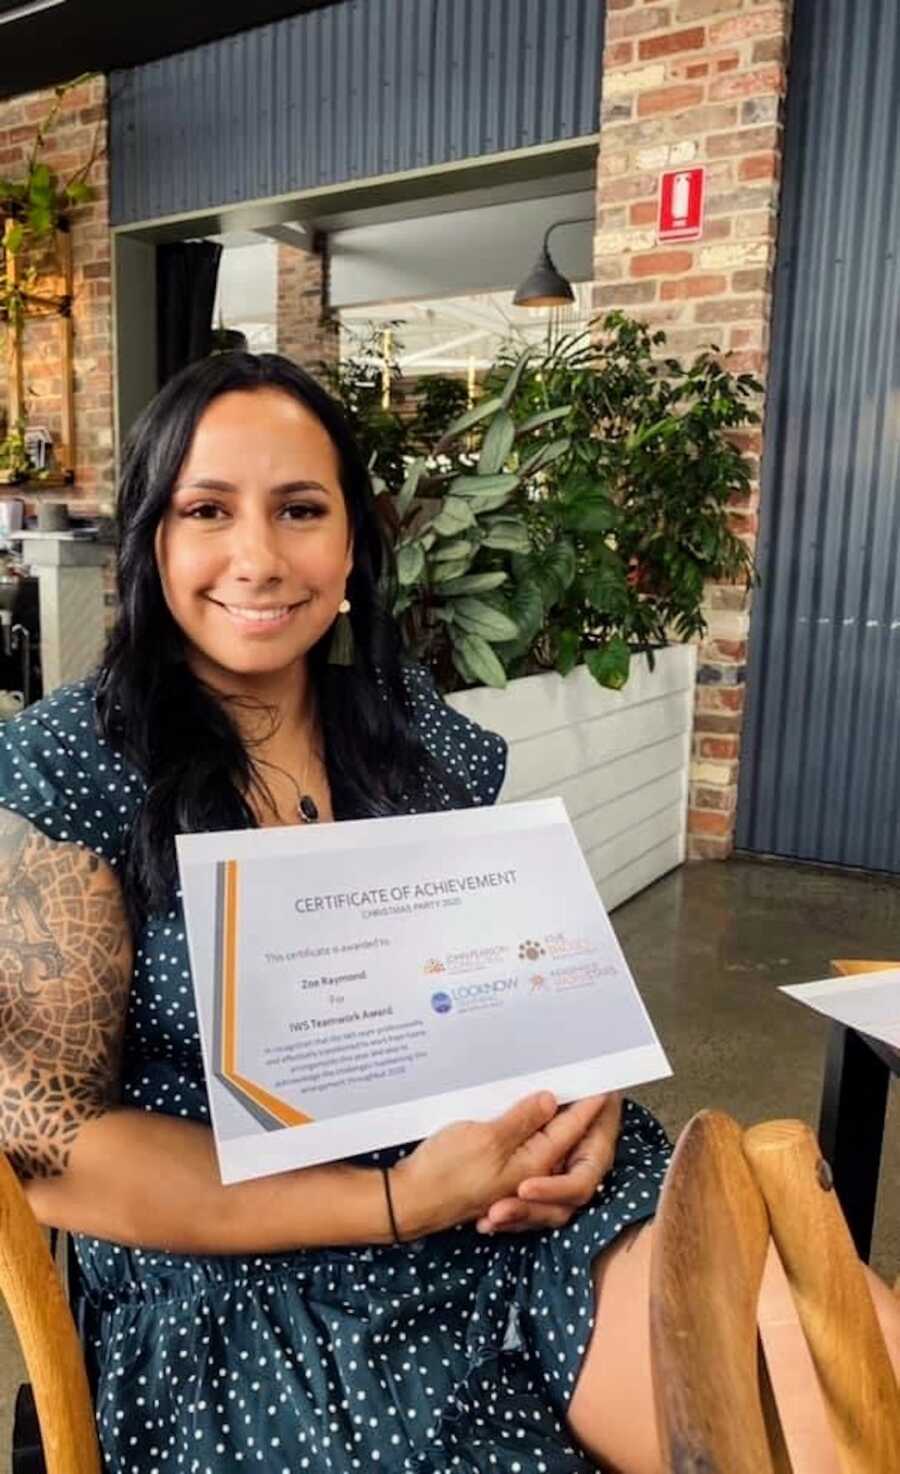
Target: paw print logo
<point>530,951</point>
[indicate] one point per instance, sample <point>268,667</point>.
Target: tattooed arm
<point>87,1163</point>
<point>65,969</point>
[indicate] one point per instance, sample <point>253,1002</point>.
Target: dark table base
<point>851,1125</point>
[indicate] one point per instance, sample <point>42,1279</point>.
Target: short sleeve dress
<point>456,1352</point>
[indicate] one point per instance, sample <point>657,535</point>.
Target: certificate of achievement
<point>365,983</point>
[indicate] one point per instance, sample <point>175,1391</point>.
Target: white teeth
<point>260,616</point>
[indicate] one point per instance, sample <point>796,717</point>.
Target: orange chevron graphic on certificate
<point>271,1110</point>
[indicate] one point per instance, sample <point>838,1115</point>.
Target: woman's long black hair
<point>171,727</point>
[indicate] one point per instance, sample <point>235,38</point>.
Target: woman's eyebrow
<point>210,483</point>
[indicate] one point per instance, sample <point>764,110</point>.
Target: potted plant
<point>553,548</point>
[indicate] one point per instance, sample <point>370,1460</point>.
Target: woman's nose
<point>257,555</point>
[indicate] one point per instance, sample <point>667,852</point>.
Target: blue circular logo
<point>441,1002</point>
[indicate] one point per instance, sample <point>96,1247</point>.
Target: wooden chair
<point>34,1295</point>
<point>726,1193</point>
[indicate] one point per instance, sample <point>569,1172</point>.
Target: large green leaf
<point>451,551</point>
<point>479,618</point>
<point>609,665</point>
<point>40,185</point>
<point>481,660</point>
<point>508,534</point>
<point>568,650</point>
<point>547,452</point>
<point>492,502</point>
<point>455,515</point>
<point>483,485</point>
<point>40,219</point>
<point>444,573</point>
<point>639,437</point>
<point>551,570</point>
<point>458,659</point>
<point>475,583</point>
<point>512,383</point>
<point>497,443</point>
<point>408,489</point>
<point>474,416</point>
<point>410,563</point>
<point>604,584</point>
<point>590,511</point>
<point>526,607</point>
<point>545,417</point>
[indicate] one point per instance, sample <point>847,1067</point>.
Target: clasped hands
<point>549,1201</point>
<point>531,1168</point>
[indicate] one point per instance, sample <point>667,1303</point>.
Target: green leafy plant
<point>456,531</point>
<point>15,462</point>
<point>630,516</point>
<point>575,515</point>
<point>416,419</point>
<point>32,209</point>
<point>357,381</point>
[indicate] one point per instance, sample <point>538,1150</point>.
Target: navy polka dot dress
<point>455,1352</point>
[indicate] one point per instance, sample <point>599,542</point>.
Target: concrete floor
<point>709,946</point>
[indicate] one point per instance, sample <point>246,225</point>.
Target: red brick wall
<point>68,145</point>
<point>699,81</point>
<point>306,331</point>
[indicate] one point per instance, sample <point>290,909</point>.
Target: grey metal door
<point>820,773</point>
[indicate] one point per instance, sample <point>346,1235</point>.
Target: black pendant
<point>307,809</point>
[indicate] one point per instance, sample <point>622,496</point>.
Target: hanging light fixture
<point>545,285</point>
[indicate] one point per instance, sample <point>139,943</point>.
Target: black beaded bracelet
<point>386,1174</point>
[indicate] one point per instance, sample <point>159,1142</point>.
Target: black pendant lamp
<point>545,285</point>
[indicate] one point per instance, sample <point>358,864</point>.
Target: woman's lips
<point>258,619</point>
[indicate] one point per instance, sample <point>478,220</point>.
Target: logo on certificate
<point>433,965</point>
<point>441,1002</point>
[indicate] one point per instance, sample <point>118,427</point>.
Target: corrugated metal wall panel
<point>820,774</point>
<point>358,89</point>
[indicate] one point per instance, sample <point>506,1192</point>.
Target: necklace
<point>307,808</point>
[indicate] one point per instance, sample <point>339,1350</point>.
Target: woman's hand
<point>549,1202</point>
<point>456,1175</point>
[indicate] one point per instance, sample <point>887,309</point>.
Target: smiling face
<point>254,547</point>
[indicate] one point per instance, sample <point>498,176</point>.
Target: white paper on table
<point>867,1001</point>
<point>469,963</point>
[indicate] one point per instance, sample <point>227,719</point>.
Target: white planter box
<point>620,760</point>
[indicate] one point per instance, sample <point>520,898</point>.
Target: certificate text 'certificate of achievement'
<point>365,983</point>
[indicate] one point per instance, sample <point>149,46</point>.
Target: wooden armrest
<point>37,1304</point>
<point>829,1287</point>
<point>710,1241</point>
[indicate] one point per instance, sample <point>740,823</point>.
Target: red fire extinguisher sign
<point>681,204</point>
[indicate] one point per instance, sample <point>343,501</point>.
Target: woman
<point>489,1314</point>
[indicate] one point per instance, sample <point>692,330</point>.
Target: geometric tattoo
<point>65,974</point>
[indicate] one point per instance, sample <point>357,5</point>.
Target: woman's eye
<point>302,511</point>
<point>204,512</point>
